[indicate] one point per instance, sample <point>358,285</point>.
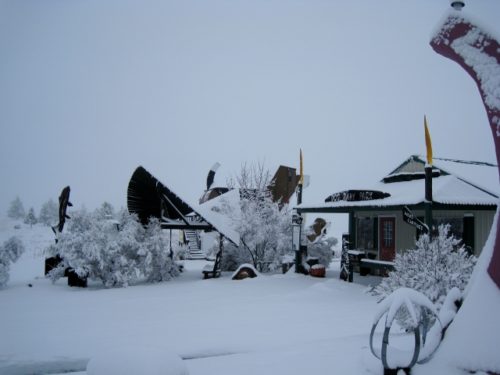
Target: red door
<point>387,238</point>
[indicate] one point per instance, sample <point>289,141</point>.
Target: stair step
<point>196,257</point>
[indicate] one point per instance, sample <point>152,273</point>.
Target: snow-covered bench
<point>360,263</point>
<point>212,271</point>
<point>375,264</point>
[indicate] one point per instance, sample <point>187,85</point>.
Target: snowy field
<point>276,324</point>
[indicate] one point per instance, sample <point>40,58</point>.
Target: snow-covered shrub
<point>180,251</point>
<point>158,264</point>
<point>10,252</point>
<point>94,248</point>
<point>115,252</point>
<point>322,249</point>
<point>433,268</point>
<point>233,257</point>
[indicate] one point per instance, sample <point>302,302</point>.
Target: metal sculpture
<point>420,309</point>
<point>478,53</point>
<point>64,203</point>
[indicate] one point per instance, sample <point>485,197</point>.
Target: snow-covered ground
<point>272,324</point>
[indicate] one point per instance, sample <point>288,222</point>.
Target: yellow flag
<point>428,142</point>
<point>301,179</point>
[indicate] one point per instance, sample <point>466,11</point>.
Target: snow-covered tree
<point>30,217</point>
<point>106,211</point>
<point>10,252</point>
<point>264,226</point>
<point>265,232</point>
<point>433,268</point>
<point>16,209</point>
<point>253,176</point>
<point>49,214</point>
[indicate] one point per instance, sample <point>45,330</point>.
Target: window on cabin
<point>388,233</point>
<point>461,227</point>
<point>366,229</point>
<point>456,225</point>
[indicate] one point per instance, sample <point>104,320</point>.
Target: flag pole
<point>299,253</point>
<point>300,185</point>
<point>428,179</point>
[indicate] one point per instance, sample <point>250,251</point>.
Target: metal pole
<point>298,250</point>
<point>428,197</point>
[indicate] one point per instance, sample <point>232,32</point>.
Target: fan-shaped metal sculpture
<point>147,197</point>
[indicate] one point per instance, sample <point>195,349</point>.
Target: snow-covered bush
<point>233,257</point>
<point>433,268</point>
<point>115,252</point>
<point>158,264</point>
<point>94,248</point>
<point>322,249</point>
<point>10,252</point>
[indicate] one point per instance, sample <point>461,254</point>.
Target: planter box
<point>318,270</point>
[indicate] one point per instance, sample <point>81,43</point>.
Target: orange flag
<point>428,142</point>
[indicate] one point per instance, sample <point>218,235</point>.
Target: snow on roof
<point>212,211</point>
<point>482,175</point>
<point>464,183</point>
<point>446,189</point>
<point>479,174</point>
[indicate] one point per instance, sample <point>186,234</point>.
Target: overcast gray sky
<point>91,89</point>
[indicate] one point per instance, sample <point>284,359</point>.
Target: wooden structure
<point>283,184</point>
<point>377,223</point>
<point>148,197</point>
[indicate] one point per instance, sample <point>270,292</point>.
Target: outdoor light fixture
<point>457,4</point>
<point>296,229</point>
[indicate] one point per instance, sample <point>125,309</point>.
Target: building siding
<point>406,234</point>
